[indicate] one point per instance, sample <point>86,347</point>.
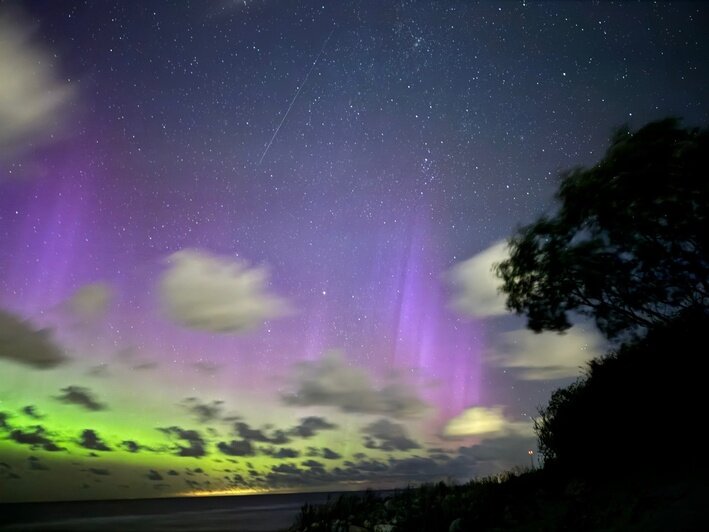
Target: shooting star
<point>300,87</point>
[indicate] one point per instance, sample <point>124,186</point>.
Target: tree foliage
<point>628,244</point>
<point>637,409</point>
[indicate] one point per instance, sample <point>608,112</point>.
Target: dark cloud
<point>498,454</point>
<point>131,446</point>
<point>91,440</point>
<point>289,475</point>
<point>462,466</point>
<point>256,435</point>
<point>37,439</point>
<point>208,368</point>
<point>332,381</point>
<point>145,366</point>
<point>314,464</point>
<point>237,481</point>
<point>154,475</point>
<point>99,471</point>
<point>100,370</point>
<point>204,412</point>
<point>21,342</point>
<point>388,436</point>
<point>310,426</point>
<point>76,395</point>
<point>282,453</point>
<point>31,411</point>
<point>173,473</point>
<point>236,448</point>
<point>368,466</point>
<point>329,454</point>
<point>325,452</point>
<point>36,464</point>
<point>4,425</point>
<point>286,468</point>
<point>196,447</point>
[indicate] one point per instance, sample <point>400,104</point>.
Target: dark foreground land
<point>530,501</point>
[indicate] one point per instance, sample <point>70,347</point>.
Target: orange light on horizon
<point>230,491</point>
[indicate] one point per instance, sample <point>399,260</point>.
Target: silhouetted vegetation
<point>637,410</point>
<point>622,445</point>
<point>628,244</point>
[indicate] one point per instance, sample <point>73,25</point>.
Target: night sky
<point>246,246</point>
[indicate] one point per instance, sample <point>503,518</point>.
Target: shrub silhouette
<point>637,410</point>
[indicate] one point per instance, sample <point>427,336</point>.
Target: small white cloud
<point>331,381</point>
<point>210,293</point>
<point>33,100</point>
<point>485,422</point>
<point>547,355</point>
<point>91,301</point>
<point>476,285</point>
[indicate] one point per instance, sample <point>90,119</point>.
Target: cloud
<point>21,342</point>
<point>329,454</point>
<point>485,422</point>
<point>196,444</point>
<point>31,411</point>
<point>282,453</point>
<point>36,440</point>
<point>331,381</point>
<point>476,286</point>
<point>204,412</point>
<point>286,468</point>
<point>247,433</point>
<point>493,456</point>
<point>4,416</point>
<point>91,440</point>
<point>99,471</point>
<point>145,366</point>
<point>154,475</point>
<point>33,99</point>
<point>314,464</point>
<point>76,395</point>
<point>36,464</point>
<point>310,426</point>
<point>236,448</point>
<point>210,293</point>
<point>388,436</point>
<point>99,370</point>
<point>90,302</point>
<point>208,368</point>
<point>499,454</point>
<point>131,446</point>
<point>547,355</point>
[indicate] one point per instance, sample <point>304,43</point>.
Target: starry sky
<point>246,246</point>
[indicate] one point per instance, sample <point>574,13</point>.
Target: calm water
<point>215,514</point>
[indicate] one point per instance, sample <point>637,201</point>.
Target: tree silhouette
<point>628,244</point>
<point>636,409</point>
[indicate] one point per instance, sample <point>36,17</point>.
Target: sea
<point>243,513</point>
